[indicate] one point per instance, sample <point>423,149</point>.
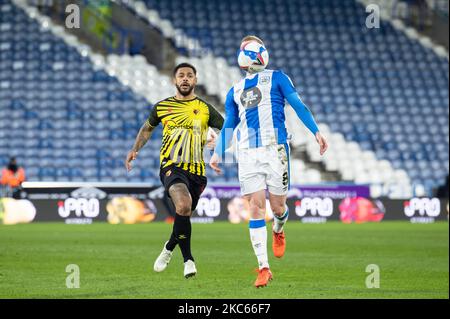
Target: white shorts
<point>264,167</point>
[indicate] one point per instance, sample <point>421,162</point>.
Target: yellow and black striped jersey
<point>185,127</point>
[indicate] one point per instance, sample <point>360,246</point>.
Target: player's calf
<point>281,214</point>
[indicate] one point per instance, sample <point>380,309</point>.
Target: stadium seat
<point>399,71</point>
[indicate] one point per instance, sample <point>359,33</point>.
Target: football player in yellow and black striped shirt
<point>185,119</point>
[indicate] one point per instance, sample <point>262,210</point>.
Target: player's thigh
<point>196,188</point>
<point>251,176</point>
<point>176,183</point>
<point>181,197</point>
<point>277,170</point>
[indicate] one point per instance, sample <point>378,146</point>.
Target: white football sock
<point>279,221</point>
<point>258,236</point>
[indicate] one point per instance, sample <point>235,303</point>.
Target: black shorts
<point>194,183</point>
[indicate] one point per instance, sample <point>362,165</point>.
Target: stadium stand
<point>385,89</point>
<point>62,116</point>
<point>389,114</point>
<point>70,114</point>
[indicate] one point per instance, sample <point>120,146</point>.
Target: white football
<point>253,57</point>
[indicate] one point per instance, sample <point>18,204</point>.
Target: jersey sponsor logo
<point>251,97</point>
<point>171,125</point>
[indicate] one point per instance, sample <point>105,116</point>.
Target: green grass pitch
<point>321,261</point>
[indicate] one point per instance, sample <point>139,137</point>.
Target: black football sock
<point>172,243</point>
<point>182,228</point>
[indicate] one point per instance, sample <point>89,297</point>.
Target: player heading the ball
<point>254,108</point>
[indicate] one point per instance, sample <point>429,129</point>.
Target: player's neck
<point>181,97</point>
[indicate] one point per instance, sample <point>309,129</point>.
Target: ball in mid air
<point>253,57</point>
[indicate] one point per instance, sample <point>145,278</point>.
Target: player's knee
<point>257,203</point>
<point>181,198</point>
<point>256,207</point>
<point>278,208</point>
<point>183,208</point>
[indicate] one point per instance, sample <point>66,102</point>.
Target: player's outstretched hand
<point>130,157</point>
<point>214,163</point>
<point>211,139</point>
<point>322,143</point>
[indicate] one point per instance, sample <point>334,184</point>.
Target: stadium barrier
<point>84,203</point>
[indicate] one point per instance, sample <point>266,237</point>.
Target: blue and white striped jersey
<point>258,102</point>
<point>255,108</point>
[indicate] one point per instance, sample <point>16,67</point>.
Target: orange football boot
<point>264,276</point>
<point>279,244</point>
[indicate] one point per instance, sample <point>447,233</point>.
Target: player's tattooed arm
<point>141,139</point>
<point>143,136</point>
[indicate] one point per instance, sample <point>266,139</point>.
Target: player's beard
<point>185,90</point>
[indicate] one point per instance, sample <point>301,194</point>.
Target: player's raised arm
<point>226,134</point>
<point>302,111</point>
<point>143,136</point>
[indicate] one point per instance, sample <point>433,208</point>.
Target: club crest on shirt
<point>263,80</point>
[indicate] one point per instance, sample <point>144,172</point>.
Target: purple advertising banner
<point>297,192</point>
<point>86,203</point>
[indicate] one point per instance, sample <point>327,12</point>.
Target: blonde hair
<point>248,38</point>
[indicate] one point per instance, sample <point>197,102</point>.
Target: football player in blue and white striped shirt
<point>254,110</point>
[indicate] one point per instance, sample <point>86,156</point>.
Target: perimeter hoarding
<point>87,203</point>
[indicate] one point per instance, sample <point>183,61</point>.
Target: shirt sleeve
<point>231,121</point>
<point>303,112</point>
<point>215,118</point>
<point>284,83</point>
<point>289,92</point>
<point>153,118</point>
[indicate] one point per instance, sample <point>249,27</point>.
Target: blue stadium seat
<point>400,83</point>
<point>380,89</point>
